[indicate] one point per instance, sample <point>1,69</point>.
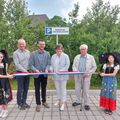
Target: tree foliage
<point>15,24</point>
<point>74,14</point>
<point>99,28</point>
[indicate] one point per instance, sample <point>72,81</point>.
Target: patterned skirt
<point>5,91</point>
<point>108,93</point>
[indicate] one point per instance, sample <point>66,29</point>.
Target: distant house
<point>37,19</point>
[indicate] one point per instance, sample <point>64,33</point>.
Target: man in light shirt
<point>21,59</point>
<point>83,62</point>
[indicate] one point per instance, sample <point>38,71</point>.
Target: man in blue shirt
<point>40,62</point>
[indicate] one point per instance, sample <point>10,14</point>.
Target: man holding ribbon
<point>21,59</point>
<point>86,64</point>
<point>40,62</point>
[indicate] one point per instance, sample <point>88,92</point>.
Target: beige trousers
<point>82,86</point>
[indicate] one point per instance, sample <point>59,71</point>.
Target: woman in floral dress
<point>109,84</point>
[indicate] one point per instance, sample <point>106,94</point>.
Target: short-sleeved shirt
<point>110,68</point>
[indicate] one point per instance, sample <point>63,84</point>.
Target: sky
<point>61,7</point>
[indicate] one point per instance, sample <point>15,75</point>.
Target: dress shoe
<point>75,104</point>
<point>46,105</point>
<point>26,105</point>
<point>38,108</point>
<point>87,107</point>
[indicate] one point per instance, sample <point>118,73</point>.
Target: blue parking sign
<point>48,30</point>
<point>56,30</point>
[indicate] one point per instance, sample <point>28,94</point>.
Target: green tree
<point>4,27</point>
<point>2,2</point>
<point>56,21</point>
<point>102,21</point>
<point>74,14</point>
<point>16,14</point>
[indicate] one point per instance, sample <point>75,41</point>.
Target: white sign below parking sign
<point>56,30</point>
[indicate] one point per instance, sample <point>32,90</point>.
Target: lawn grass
<point>95,83</point>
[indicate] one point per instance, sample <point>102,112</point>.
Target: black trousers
<point>40,82</point>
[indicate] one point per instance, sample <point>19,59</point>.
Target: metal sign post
<point>56,39</point>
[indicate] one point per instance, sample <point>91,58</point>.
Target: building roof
<point>37,19</point>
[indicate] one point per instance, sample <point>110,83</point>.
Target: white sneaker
<point>62,107</point>
<point>1,113</point>
<point>57,103</point>
<point>5,114</point>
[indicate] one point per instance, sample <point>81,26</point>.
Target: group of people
<point>40,61</point>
